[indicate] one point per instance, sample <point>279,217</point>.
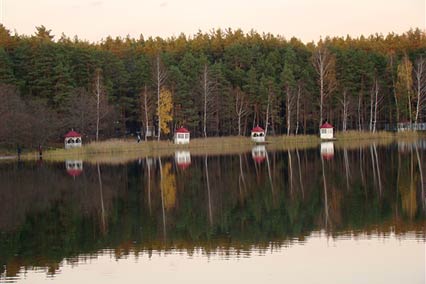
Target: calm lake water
<point>324,215</point>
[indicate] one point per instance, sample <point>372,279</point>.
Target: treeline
<point>218,83</point>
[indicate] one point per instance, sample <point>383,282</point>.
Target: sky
<point>307,20</point>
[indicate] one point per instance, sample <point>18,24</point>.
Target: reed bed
<point>122,150</point>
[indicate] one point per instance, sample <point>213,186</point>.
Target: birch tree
<point>208,87</point>
<point>102,107</point>
<point>324,64</point>
<point>345,109</point>
<point>145,106</point>
<point>160,79</point>
<point>420,86</point>
<point>288,82</point>
<point>241,107</point>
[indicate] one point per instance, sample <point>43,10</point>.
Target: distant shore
<point>122,150</point>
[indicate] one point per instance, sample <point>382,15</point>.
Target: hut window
<point>186,135</point>
<point>70,141</point>
<point>78,140</point>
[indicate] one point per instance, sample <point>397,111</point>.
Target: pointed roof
<point>326,125</point>
<point>182,130</point>
<point>257,129</point>
<point>73,134</point>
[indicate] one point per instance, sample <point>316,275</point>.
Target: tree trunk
<point>298,108</point>
<point>158,98</point>
<point>146,112</point>
<point>288,112</point>
<point>205,101</point>
<point>376,104</point>
<point>98,100</point>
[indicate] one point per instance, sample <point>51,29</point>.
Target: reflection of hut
<point>181,136</point>
<point>72,140</point>
<point>327,150</point>
<point>258,153</point>
<point>74,167</point>
<point>326,131</point>
<point>183,159</point>
<point>258,134</point>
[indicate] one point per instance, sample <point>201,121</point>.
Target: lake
<point>331,214</point>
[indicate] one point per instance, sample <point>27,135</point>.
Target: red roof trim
<point>257,129</point>
<point>74,173</point>
<point>182,130</point>
<point>72,133</point>
<point>326,125</point>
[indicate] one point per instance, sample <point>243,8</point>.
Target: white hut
<point>258,134</point>
<point>327,150</point>
<point>326,131</point>
<point>258,153</point>
<point>72,139</point>
<point>183,159</point>
<point>74,167</point>
<point>181,136</point>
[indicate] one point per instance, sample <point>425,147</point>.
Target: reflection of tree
<point>407,187</point>
<point>168,185</point>
<point>51,219</point>
<point>422,182</point>
<point>325,193</point>
<point>101,194</point>
<point>206,166</point>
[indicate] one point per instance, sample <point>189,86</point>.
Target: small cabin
<point>181,136</point>
<point>326,131</point>
<point>183,159</point>
<point>258,153</point>
<point>327,150</point>
<point>74,167</point>
<point>72,140</point>
<point>258,134</point>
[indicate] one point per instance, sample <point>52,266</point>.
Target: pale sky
<point>304,19</point>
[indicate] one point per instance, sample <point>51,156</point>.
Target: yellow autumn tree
<point>168,184</point>
<point>164,110</point>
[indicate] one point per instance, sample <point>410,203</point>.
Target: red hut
<point>181,136</point>
<point>72,139</point>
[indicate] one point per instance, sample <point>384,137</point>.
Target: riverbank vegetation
<point>121,151</point>
<point>220,83</point>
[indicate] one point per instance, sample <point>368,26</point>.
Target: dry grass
<point>122,151</point>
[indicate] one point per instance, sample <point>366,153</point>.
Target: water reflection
<point>74,167</point>
<point>217,204</point>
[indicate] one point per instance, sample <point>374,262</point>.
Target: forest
<point>218,83</point>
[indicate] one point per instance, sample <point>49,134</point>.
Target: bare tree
<point>98,90</point>
<point>324,64</point>
<point>420,85</point>
<point>160,79</point>
<point>241,109</point>
<point>209,87</point>
<point>299,91</point>
<point>345,104</point>
<point>146,105</point>
<point>289,108</point>
<point>375,101</point>
<point>391,58</point>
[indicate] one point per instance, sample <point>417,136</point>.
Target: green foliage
<point>259,65</point>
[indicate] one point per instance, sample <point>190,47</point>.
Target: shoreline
<point>123,150</point>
